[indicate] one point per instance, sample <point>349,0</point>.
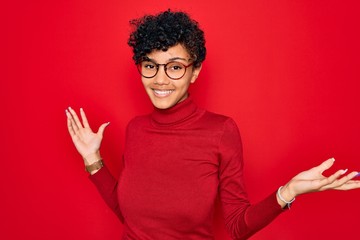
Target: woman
<point>179,157</point>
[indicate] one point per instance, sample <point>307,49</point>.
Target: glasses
<point>174,70</point>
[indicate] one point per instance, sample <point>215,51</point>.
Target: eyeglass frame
<point>162,64</point>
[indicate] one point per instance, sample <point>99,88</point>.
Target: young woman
<point>180,157</point>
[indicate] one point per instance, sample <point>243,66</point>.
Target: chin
<point>166,102</point>
<point>163,105</point>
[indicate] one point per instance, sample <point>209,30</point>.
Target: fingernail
<point>333,159</point>
<point>357,175</point>
<point>344,171</point>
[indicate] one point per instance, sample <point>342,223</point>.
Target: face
<point>163,91</point>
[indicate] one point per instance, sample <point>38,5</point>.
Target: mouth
<point>162,93</point>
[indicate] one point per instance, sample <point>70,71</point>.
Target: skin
<point>87,142</point>
<point>162,90</point>
<point>313,180</point>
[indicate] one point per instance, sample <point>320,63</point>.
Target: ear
<point>195,73</point>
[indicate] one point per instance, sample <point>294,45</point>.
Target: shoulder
<point>224,122</point>
<point>138,121</point>
<point>227,128</point>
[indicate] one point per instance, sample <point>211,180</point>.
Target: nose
<point>161,78</point>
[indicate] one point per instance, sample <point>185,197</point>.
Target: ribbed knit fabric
<point>176,161</point>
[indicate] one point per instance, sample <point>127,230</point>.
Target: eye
<point>175,66</point>
<point>148,65</point>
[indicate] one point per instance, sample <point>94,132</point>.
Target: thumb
<point>326,165</point>
<point>102,128</point>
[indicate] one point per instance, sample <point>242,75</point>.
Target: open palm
<point>85,140</point>
<point>313,179</point>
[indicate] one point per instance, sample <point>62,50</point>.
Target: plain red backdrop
<point>286,71</point>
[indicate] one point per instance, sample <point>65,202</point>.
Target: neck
<point>177,114</point>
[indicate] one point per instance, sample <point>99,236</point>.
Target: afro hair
<point>165,30</point>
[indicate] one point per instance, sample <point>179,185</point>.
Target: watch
<point>95,166</point>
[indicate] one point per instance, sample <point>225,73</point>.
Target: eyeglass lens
<point>174,70</point>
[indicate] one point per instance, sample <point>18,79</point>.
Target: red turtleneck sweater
<point>176,161</point>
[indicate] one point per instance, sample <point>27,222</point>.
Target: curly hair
<point>164,30</point>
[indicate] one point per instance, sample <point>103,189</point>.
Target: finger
<point>73,129</point>
<point>69,123</point>
<point>84,118</point>
<point>102,128</point>
<point>347,183</point>
<point>75,118</point>
<point>325,165</point>
<point>333,181</point>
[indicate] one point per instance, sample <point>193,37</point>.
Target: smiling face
<point>163,91</point>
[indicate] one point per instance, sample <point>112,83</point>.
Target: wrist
<point>287,192</point>
<point>285,196</point>
<point>95,167</point>
<point>92,158</point>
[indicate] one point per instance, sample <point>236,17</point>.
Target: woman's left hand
<point>313,180</point>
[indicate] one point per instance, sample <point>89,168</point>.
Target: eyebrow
<point>177,58</point>
<point>169,60</point>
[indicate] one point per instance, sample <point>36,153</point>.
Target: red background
<point>286,71</point>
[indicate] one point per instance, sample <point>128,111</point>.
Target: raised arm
<point>243,219</point>
<point>88,145</point>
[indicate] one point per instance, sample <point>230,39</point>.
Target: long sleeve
<point>107,187</point>
<point>176,162</point>
<point>241,218</point>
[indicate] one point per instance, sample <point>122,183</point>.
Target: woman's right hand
<point>85,140</point>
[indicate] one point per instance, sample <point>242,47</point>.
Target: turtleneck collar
<point>180,113</point>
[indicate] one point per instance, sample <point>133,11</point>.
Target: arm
<point>106,184</point>
<point>243,219</point>
<point>88,145</point>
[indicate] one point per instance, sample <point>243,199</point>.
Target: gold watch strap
<point>95,166</point>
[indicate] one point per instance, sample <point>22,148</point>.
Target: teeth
<point>163,92</point>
